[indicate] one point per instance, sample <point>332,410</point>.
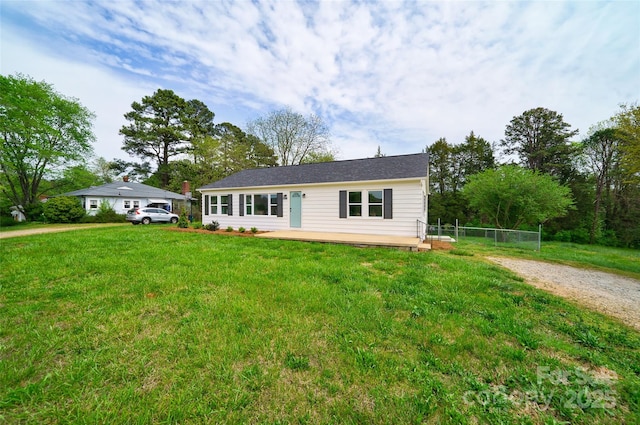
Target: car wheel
<point>174,220</point>
<point>146,220</point>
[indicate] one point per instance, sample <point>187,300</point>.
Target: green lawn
<point>139,324</point>
<point>615,260</point>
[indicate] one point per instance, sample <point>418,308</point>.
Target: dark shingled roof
<point>383,168</point>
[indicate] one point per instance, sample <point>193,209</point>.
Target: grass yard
<point>144,325</point>
<point>614,260</point>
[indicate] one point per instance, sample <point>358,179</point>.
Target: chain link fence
<point>497,237</point>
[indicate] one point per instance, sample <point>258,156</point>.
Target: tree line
<point>177,140</point>
<point>47,140</point>
<point>600,176</point>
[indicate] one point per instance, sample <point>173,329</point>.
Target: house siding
<point>117,204</point>
<point>321,208</point>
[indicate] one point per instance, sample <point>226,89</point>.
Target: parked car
<point>150,215</point>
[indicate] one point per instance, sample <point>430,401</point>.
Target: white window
<point>224,204</point>
<point>375,203</point>
<point>136,204</point>
<point>355,204</point>
<point>93,204</point>
<point>214,204</point>
<point>127,204</point>
<point>261,204</point>
<point>248,205</point>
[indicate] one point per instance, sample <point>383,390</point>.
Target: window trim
<point>213,204</point>
<point>273,206</point>
<point>345,204</point>
<point>224,205</point>
<point>248,204</point>
<point>375,204</point>
<point>351,203</point>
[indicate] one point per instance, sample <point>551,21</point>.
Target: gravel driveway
<point>607,293</point>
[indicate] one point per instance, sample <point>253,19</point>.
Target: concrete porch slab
<point>402,242</point>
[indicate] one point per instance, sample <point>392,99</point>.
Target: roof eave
<point>418,178</point>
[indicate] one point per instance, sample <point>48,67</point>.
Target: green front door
<point>295,209</point>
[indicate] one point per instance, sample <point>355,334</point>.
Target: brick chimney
<point>125,179</point>
<point>185,187</point>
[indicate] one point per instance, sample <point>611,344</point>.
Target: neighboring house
<point>384,196</point>
<point>125,195</point>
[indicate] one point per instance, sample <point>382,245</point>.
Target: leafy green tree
<point>292,136</point>
<point>511,196</point>
<point>133,170</point>
<point>105,171</point>
<point>63,209</point>
<point>540,139</point>
<point>627,123</point>
<point>602,154</point>
<point>238,150</point>
<point>475,154</point>
<point>76,177</point>
<point>164,126</point>
<point>450,166</point>
<point>440,158</point>
<point>42,130</point>
<point>316,157</point>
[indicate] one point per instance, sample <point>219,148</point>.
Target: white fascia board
<point>297,185</point>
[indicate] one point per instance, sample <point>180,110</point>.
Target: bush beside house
<point>63,209</point>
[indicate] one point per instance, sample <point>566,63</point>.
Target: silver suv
<point>150,215</point>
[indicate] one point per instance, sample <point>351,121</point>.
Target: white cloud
<point>394,74</point>
<point>101,91</point>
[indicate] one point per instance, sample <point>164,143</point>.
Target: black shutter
<point>241,202</point>
<point>279,205</point>
<point>230,209</point>
<point>343,204</point>
<point>388,203</point>
<point>206,204</point>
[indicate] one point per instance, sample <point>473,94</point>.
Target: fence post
<point>539,237</point>
<point>439,230</point>
<point>457,238</point>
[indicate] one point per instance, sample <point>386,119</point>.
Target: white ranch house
<point>378,196</point>
<point>123,196</point>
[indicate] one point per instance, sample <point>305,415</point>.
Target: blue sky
<point>393,74</point>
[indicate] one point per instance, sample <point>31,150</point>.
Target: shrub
<point>241,229</point>
<point>183,222</point>
<point>35,212</point>
<point>254,230</point>
<point>562,236</point>
<point>229,229</point>
<point>105,214</point>
<point>213,226</point>
<point>197,225</point>
<point>63,209</point>
<point>8,221</point>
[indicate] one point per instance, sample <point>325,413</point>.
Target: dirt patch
<point>440,245</point>
<point>613,295</point>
